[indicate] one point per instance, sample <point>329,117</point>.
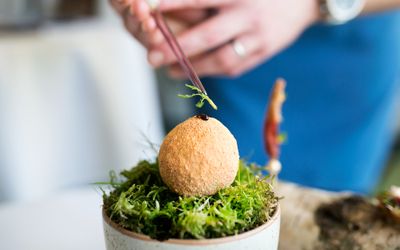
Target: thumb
<point>167,5</point>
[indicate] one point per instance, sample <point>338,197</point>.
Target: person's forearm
<point>380,5</point>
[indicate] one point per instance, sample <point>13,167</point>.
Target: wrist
<point>314,11</point>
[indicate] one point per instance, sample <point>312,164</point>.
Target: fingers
<point>223,61</point>
<point>155,38</point>
<point>167,5</point>
<point>137,20</point>
<point>121,5</point>
<point>247,65</point>
<point>149,25</point>
<point>202,38</point>
<point>134,27</point>
<point>137,8</point>
<point>141,9</point>
<point>147,39</point>
<point>189,16</point>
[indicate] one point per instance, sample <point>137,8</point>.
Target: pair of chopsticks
<point>174,45</point>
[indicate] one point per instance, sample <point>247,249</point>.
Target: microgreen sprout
<point>203,97</point>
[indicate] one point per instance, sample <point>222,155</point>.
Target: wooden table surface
<point>298,228</point>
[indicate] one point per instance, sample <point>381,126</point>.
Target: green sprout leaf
<point>203,97</point>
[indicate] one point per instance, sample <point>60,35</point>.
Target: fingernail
<point>156,58</point>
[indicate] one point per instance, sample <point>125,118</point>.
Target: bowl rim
<point>143,237</point>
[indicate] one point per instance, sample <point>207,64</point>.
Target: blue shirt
<point>343,83</point>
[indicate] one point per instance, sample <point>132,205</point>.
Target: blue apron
<point>343,84</point>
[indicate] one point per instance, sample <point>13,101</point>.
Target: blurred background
<point>77,98</point>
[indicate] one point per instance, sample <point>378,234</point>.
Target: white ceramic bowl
<point>265,237</point>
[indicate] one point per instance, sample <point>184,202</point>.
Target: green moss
<point>143,204</point>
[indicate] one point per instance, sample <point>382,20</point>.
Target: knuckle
<point>256,24</point>
<point>264,50</point>
<point>210,38</point>
<point>263,41</point>
<point>233,72</point>
<point>223,61</point>
<point>264,46</point>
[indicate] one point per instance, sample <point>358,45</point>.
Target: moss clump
<point>142,203</point>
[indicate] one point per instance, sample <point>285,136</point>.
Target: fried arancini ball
<point>199,157</point>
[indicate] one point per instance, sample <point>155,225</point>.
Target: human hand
<point>260,29</point>
<point>138,21</point>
